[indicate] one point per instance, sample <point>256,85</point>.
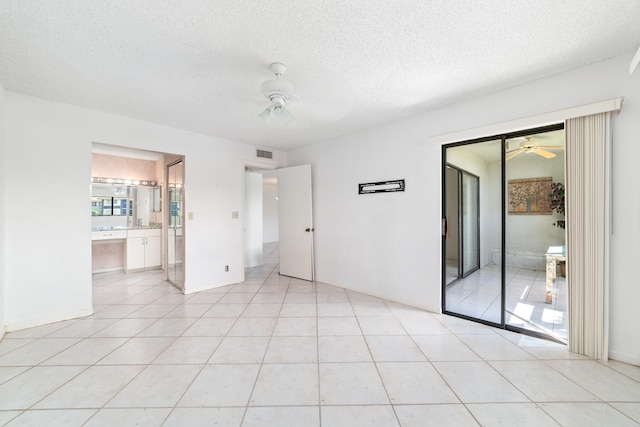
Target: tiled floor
<point>273,351</point>
<point>478,295</point>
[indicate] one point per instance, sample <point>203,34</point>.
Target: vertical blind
<point>588,144</point>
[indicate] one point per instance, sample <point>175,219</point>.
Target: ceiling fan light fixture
<point>278,91</point>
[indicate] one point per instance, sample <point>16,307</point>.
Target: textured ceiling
<point>198,65</point>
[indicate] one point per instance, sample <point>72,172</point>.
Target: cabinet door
<point>153,251</point>
<point>135,253</point>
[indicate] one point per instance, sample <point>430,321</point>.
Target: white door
<point>295,222</point>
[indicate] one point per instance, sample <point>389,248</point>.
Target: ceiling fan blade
<point>634,62</point>
<point>544,153</point>
<point>515,153</point>
<point>551,147</point>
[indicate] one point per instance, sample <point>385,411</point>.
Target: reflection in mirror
<point>175,234</point>
<point>125,206</point>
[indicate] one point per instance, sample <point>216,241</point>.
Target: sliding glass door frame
<point>462,243</point>
<point>503,138</point>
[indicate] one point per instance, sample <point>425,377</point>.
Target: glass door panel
<point>473,210</point>
<point>470,223</point>
<point>175,230</point>
<point>534,163</point>
<point>452,255</point>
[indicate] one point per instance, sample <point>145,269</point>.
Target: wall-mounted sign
<point>381,187</point>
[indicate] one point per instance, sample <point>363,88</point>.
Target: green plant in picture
<point>557,202</point>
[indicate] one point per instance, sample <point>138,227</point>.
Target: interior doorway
<point>259,213</point>
<point>500,230</point>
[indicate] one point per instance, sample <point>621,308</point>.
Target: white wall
<point>389,244</point>
<point>253,254</point>
<point>48,270</point>
<point>2,213</point>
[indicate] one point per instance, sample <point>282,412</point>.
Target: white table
<point>553,255</point>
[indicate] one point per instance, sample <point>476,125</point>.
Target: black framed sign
<point>381,187</point>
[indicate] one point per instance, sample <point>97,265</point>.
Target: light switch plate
<point>190,216</point>
<point>235,215</point>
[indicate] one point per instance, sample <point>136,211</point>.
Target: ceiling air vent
<point>265,154</point>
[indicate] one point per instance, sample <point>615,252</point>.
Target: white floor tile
<point>29,387</point>
<point>541,383</point>
<point>137,351</point>
<point>343,349</point>
<point>394,349</point>
<point>156,386</point>
<point>128,417</point>
<point>576,414</point>
<point>205,417</point>
<point>221,385</point>
<point>188,350</point>
<point>349,416</point>
<point>415,383</point>
<point>86,352</point>
<point>292,350</point>
<point>332,326</point>
<point>435,416</point>
<point>286,385</point>
<point>282,416</point>
<point>240,350</point>
<point>477,382</point>
<point>521,414</point>
<point>92,388</point>
<point>253,327</point>
<point>296,327</point>
<point>351,384</point>
<point>445,348</point>
<point>210,327</point>
<point>600,380</point>
<point>55,417</point>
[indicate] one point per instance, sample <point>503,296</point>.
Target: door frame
<point>246,166</point>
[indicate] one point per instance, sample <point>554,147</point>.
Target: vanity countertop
<point>142,227</point>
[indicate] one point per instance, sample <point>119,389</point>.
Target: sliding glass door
<point>500,231</point>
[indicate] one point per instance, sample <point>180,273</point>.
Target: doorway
<point>499,228</point>
<point>259,215</point>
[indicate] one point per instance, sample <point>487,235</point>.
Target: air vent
<point>265,154</point>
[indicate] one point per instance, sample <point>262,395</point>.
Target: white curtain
<point>588,146</point>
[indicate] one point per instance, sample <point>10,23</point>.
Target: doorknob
<point>307,230</point>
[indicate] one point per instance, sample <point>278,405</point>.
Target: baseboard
<point>426,307</point>
<point>631,359</point>
<point>47,320</point>
<point>106,270</point>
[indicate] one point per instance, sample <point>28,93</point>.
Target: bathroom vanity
<point>126,227</point>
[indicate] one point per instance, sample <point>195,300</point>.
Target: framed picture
<point>529,196</point>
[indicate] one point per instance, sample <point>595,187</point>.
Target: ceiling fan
<point>531,146</point>
<point>278,91</point>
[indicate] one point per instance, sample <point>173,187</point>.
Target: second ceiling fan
<point>531,146</point>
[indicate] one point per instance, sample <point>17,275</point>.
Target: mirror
<point>123,206</point>
<point>175,231</point>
